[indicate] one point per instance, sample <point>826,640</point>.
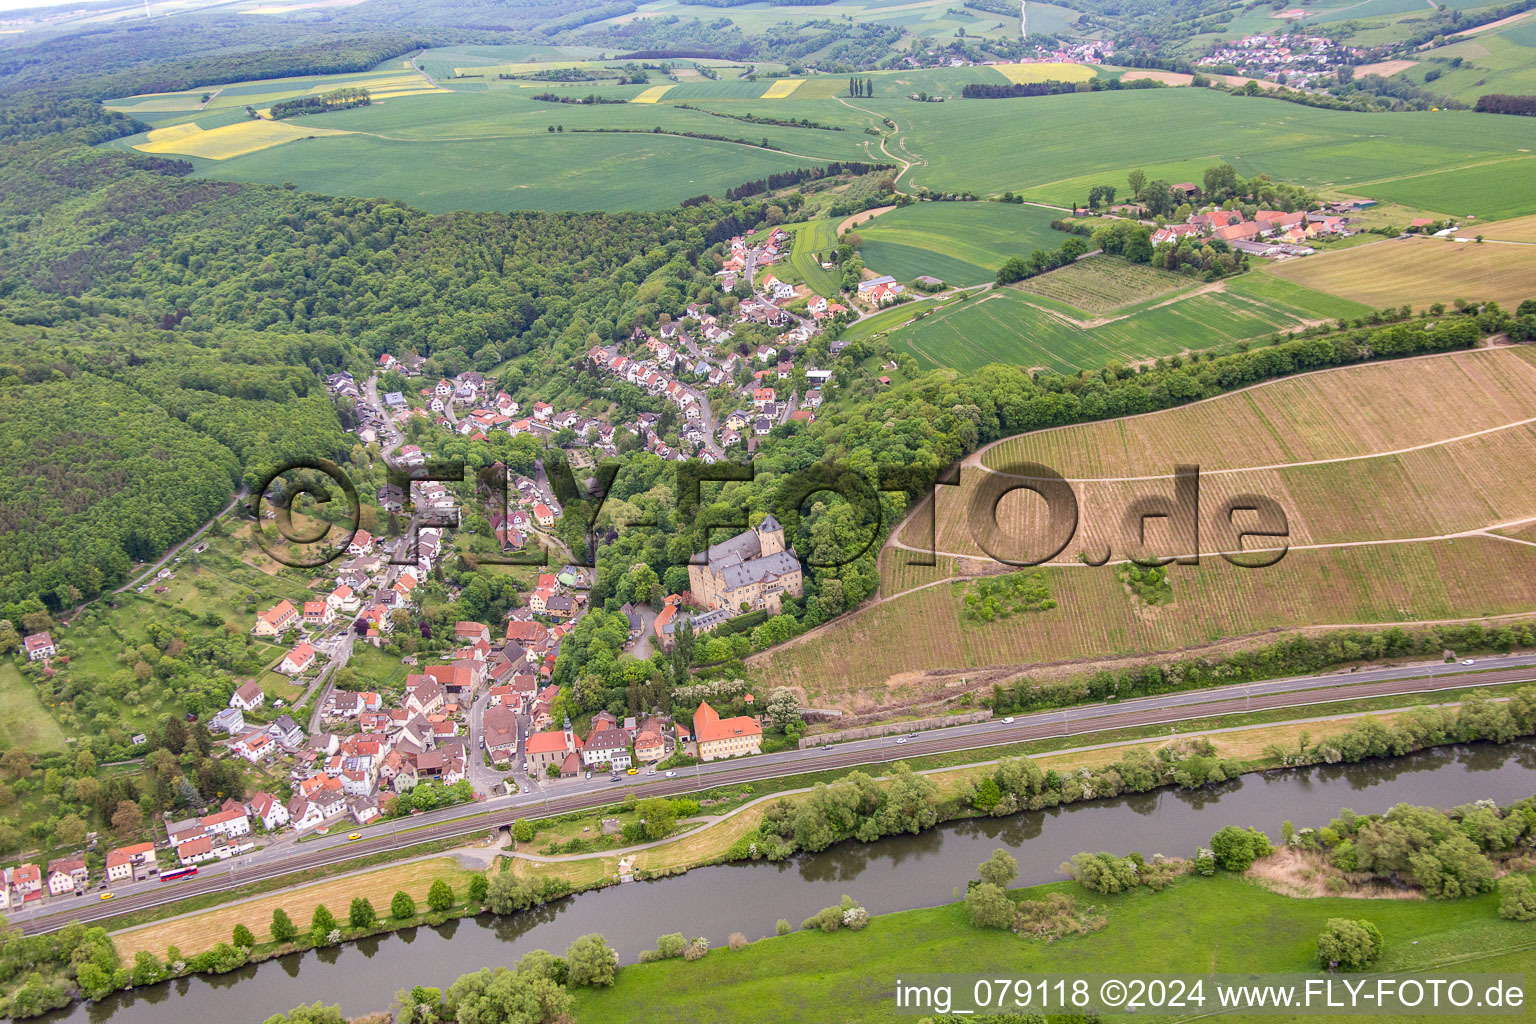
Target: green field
<point>542,172</point>
<point>1010,326</point>
<point>24,722</point>
<point>1488,191</point>
<point>960,243</point>
<point>1037,145</point>
<point>494,150</point>
<point>813,240</point>
<point>488,145</point>
<point>1502,60</point>
<point>1197,926</point>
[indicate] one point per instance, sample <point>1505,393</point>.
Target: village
<point>1299,61</point>
<point>1271,234</point>
<point>682,363</point>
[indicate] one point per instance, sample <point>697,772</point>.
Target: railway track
<point>1044,725</point>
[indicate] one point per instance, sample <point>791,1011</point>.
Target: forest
<point>117,440</point>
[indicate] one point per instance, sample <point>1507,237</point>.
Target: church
<point>754,569</point>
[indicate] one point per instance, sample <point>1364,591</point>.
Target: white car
<point>901,739</point>
<point>1008,720</point>
<point>1469,661</point>
<point>671,775</point>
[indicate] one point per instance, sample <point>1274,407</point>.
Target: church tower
<point>770,535</point>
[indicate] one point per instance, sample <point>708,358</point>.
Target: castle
<point>753,569</point>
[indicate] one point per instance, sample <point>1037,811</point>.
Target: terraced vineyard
<point>1100,284</point>
<point>1095,617</point>
<point>1409,490</point>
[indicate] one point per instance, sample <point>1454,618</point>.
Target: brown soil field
<point>1518,229</point>
<point>1418,271</point>
<point>1386,68</point>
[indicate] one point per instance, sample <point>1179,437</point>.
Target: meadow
<point>1196,926</point>
<point>930,18</point>
<point>448,150</point>
<point>1010,326</point>
<point>1419,271</point>
<point>202,931</point>
<point>959,243</point>
<point>24,722</point>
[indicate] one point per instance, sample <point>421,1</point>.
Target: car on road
<point>589,775</point>
<point>354,835</point>
<point>107,895</point>
<point>651,772</point>
<point>671,775</point>
<point>1469,661</point>
<point>1008,720</point>
<point>901,739</point>
<point>633,771</point>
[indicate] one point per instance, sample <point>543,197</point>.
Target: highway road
<point>560,798</point>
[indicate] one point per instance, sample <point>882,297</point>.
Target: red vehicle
<point>171,876</point>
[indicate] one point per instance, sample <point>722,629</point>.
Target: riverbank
<point>898,873</point>
<point>1198,925</point>
<point>1244,748</point>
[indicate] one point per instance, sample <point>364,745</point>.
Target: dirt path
<point>1495,24</point>
<point>906,165</point>
<point>861,217</point>
<point>1284,465</point>
<point>1478,531</point>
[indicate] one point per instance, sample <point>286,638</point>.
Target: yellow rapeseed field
<point>782,88</point>
<point>1020,74</point>
<point>231,140</point>
<point>652,94</point>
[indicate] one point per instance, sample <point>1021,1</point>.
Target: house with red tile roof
<point>277,620</point>
<point>725,737</point>
<point>297,660</point>
<point>129,862</point>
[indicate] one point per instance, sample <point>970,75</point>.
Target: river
<point>898,873</point>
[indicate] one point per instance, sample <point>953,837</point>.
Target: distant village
<point>1296,60</point>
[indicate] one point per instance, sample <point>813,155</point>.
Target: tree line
<point>336,99</point>
<point>1503,103</point>
<point>784,179</point>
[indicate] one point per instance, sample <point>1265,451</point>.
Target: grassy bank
<point>1198,925</point>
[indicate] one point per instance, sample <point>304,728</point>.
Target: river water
<point>898,873</point>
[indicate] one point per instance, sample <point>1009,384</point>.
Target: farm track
<point>972,462</point>
<point>894,133</point>
<point>1101,718</point>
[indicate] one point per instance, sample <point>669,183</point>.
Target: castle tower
<point>770,535</point>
